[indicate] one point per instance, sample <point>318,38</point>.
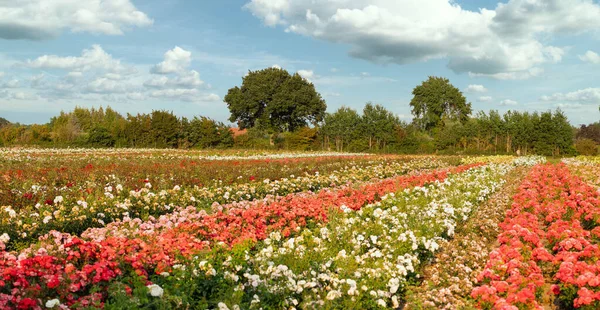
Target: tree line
<point>107,128</point>
<point>275,109</point>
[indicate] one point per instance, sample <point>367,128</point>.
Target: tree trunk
<point>496,145</point>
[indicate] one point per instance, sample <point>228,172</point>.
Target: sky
<point>183,55</point>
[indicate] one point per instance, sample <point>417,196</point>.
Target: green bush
<point>586,147</point>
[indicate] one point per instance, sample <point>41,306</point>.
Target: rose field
<point>173,229</point>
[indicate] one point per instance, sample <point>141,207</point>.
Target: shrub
<point>586,147</point>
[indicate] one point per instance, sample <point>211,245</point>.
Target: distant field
<point>161,229</point>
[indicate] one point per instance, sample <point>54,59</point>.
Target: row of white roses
<point>363,258</point>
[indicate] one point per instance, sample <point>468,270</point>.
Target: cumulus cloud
<point>13,83</point>
<point>485,99</point>
<point>175,60</point>
<point>508,102</point>
<point>475,88</point>
<point>191,95</point>
<point>91,59</point>
<point>307,74</point>
<point>502,43</point>
<point>521,75</point>
<point>37,81</point>
<point>18,95</point>
<point>96,75</point>
<point>591,57</point>
<point>587,95</point>
<point>569,106</point>
<point>44,19</point>
<point>184,80</point>
<point>104,85</point>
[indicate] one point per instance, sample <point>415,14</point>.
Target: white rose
<point>222,306</point>
<point>155,290</point>
<point>58,199</point>
<point>52,303</point>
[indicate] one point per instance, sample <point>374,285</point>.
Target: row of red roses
<point>551,230</point>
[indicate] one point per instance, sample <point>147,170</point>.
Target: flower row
<point>448,286</point>
<point>82,272</point>
<point>360,259</point>
<point>551,232</point>
<point>75,211</point>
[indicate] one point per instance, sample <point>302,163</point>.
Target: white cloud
<point>90,59</point>
<point>188,80</point>
<point>157,82</point>
<point>475,88</point>
<point>590,57</point>
<point>19,95</point>
<point>569,106</point>
<point>43,19</point>
<point>508,102</point>
<point>521,75</point>
<point>503,43</point>
<point>104,85</point>
<point>184,80</point>
<point>1,74</point>
<point>485,99</point>
<point>192,95</point>
<point>136,96</point>
<point>37,81</point>
<point>307,74</point>
<point>589,95</point>
<point>24,96</point>
<point>97,76</point>
<point>276,66</point>
<point>13,83</point>
<point>175,60</point>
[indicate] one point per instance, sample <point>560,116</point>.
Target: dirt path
<point>448,281</point>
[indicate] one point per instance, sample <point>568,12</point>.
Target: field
<point>156,229</point>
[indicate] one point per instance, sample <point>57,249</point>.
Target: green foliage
<point>341,128</point>
<point>4,122</point>
<point>101,137</point>
<point>436,99</point>
<point>591,131</point>
<point>586,147</point>
<point>273,100</point>
<point>164,126</point>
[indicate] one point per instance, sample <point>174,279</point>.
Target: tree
<point>379,125</point>
<point>4,122</point>
<point>203,132</point>
<point>274,100</point>
<point>165,128</point>
<point>100,136</point>
<point>341,127</point>
<point>436,99</point>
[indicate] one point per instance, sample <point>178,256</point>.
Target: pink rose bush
<point>550,234</point>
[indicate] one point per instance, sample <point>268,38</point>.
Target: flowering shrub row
<point>76,211</point>
<point>360,260</point>
<point>551,231</point>
<point>449,285</point>
<point>81,272</point>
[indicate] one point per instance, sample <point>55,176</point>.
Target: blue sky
<point>136,56</point>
